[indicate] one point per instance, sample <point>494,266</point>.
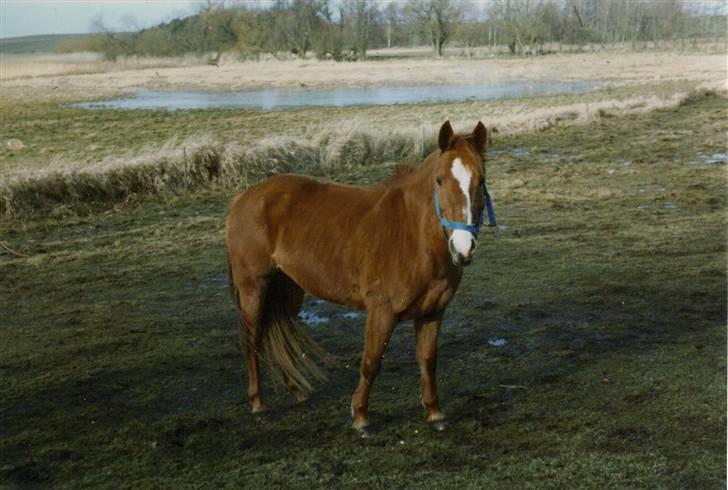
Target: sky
<point>29,17</point>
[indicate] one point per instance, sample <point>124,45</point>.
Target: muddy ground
<point>585,348</point>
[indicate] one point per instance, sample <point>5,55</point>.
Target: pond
<point>281,99</point>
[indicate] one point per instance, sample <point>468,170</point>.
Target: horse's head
<point>459,189</point>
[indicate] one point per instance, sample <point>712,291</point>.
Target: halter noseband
<point>456,225</point>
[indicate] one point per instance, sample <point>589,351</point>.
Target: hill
<point>44,43</point>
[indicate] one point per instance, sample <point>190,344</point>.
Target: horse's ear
<point>480,137</point>
<point>446,133</point>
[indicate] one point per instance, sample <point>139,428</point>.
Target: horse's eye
<point>439,181</point>
<point>481,181</point>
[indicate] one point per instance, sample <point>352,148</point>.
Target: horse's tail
<point>285,343</point>
<point>282,341</point>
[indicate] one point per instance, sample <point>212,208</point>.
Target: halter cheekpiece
<point>456,225</point>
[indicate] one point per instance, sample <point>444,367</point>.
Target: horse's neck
<point>420,180</point>
<point>417,188</point>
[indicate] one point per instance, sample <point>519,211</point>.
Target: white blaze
<point>461,239</point>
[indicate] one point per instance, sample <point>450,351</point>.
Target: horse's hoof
<point>258,410</point>
<point>437,423</point>
<point>364,433</point>
<point>361,428</point>
<point>261,417</point>
<point>300,397</point>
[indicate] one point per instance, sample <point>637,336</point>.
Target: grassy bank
<point>120,362</point>
<point>64,159</point>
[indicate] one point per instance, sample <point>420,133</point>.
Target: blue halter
<point>455,225</point>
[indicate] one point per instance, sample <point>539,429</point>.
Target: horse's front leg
<point>426,332</point>
<point>378,331</point>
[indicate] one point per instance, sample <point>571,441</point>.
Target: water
<point>280,99</point>
<point>311,318</point>
<point>715,158</point>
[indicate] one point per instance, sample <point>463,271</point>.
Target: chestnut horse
<point>395,249</point>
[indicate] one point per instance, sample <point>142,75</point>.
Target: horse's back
<point>296,206</point>
<point>286,194</point>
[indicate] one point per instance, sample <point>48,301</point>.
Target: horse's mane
<point>402,170</point>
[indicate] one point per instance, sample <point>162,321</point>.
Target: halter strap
<point>456,225</point>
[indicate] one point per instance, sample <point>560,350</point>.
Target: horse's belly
<point>332,285</point>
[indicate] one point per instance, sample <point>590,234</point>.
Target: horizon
<point>44,17</point>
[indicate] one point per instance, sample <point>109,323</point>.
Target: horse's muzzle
<point>461,253</point>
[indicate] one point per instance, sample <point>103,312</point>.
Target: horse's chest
<point>433,299</point>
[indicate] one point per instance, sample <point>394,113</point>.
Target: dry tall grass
<point>17,66</point>
<point>193,165</point>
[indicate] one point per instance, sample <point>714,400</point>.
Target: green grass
<point>120,364</point>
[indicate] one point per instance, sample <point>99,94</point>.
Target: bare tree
<point>112,44</point>
<point>392,16</point>
<point>521,23</point>
<point>361,15</point>
<point>436,19</point>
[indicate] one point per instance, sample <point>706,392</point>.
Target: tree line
<point>347,29</point>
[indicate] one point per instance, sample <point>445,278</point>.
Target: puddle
<point>215,281</point>
<point>519,152</point>
<point>668,206</point>
<point>311,318</point>
<point>497,342</point>
<point>715,158</point>
<point>280,99</point>
<point>651,188</point>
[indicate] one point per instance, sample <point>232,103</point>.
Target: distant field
<point>21,67</point>
<point>47,43</point>
<point>195,74</point>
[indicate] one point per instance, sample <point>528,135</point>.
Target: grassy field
<point>59,135</point>
<point>58,158</point>
<point>120,363</point>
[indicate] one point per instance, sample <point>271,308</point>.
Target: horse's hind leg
<point>252,297</point>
